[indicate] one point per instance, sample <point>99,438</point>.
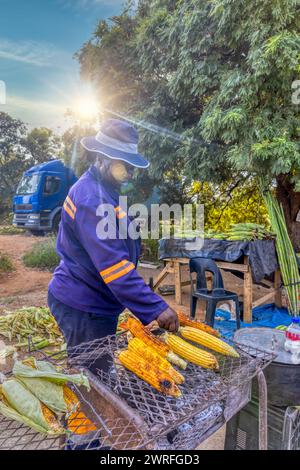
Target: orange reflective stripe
<point>71,204</point>
<point>119,274</point>
<point>113,268</point>
<point>68,210</point>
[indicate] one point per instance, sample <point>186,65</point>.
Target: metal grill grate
<point>130,414</point>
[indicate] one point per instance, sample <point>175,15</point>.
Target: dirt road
<point>24,286</point>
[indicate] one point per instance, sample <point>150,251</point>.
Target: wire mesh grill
<point>127,413</point>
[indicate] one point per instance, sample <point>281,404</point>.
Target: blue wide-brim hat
<point>117,140</point>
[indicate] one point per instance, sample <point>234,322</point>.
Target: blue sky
<point>38,39</point>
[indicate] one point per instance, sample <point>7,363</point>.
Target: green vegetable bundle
<point>35,322</point>
<point>286,254</point>
<point>248,232</point>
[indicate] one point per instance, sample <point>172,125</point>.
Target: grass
<point>10,230</point>
<point>6,265</point>
<point>42,256</point>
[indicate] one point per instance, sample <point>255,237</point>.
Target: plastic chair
<point>200,266</point>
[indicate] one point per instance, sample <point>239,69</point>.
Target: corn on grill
<point>130,414</point>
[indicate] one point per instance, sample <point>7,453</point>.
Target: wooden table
<point>174,265</point>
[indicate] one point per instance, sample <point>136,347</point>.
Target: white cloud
<point>28,52</point>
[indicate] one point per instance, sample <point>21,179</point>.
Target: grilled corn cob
<point>192,353</point>
<point>161,381</point>
<point>207,340</point>
<point>78,423</point>
<point>137,346</point>
<point>139,331</point>
<point>185,321</point>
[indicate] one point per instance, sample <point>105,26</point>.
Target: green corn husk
<point>51,394</point>
<point>285,252</point>
<point>45,370</point>
<point>20,404</point>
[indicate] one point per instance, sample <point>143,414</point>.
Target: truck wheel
<point>55,223</point>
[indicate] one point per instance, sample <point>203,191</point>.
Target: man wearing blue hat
<point>97,277</point>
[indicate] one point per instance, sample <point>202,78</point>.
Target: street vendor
<point>97,276</point>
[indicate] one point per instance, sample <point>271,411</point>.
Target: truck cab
<point>40,196</point>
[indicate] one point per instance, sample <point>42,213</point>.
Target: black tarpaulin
<point>262,253</point>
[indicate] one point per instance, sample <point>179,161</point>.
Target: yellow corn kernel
<point>139,331</point>
<point>185,321</point>
<point>161,381</point>
<point>208,341</point>
<point>192,353</point>
<point>70,399</point>
<point>137,346</point>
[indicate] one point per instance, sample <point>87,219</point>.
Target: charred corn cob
<point>192,353</point>
<point>70,399</point>
<point>138,347</point>
<point>161,381</point>
<point>78,423</point>
<point>208,341</point>
<point>139,331</point>
<point>185,321</point>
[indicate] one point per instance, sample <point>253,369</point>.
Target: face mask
<point>119,172</point>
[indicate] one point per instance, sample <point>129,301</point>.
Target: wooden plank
<point>221,264</point>
<point>248,293</point>
<point>161,277</point>
<point>262,300</point>
<point>243,268</point>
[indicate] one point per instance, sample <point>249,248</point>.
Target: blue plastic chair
<point>200,266</point>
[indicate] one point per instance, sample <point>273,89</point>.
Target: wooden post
<point>248,292</point>
<point>278,291</point>
<point>177,274</point>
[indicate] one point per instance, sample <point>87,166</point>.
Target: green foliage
<point>10,230</point>
<point>218,75</point>
<point>150,250</point>
<point>42,255</point>
<point>6,265</point>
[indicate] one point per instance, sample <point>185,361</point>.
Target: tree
<point>43,145</point>
<point>20,150</point>
<point>217,74</point>
<point>12,157</point>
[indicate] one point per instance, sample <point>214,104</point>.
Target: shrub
<point>6,265</point>
<point>42,256</point>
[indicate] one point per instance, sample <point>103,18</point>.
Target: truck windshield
<point>29,184</point>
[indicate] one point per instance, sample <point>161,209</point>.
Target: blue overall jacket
<point>95,274</point>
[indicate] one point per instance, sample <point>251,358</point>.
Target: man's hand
<point>168,320</point>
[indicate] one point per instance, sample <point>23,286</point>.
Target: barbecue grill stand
<point>129,414</point>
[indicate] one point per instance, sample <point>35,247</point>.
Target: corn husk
<point>45,370</point>
<point>51,394</point>
<point>27,406</point>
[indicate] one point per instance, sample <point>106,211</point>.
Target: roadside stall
<point>253,261</point>
<point>122,407</point>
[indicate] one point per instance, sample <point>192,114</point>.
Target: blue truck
<point>40,196</point>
